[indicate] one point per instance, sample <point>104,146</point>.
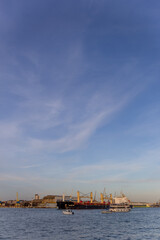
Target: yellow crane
<point>106,197</point>
<point>17,200</point>
<point>111,199</point>
<point>102,198</point>
<point>84,196</point>
<point>17,197</point>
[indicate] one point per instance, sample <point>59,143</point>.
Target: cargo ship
<point>78,204</point>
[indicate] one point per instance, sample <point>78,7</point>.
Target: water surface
<point>37,224</point>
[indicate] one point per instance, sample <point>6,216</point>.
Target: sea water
<point>37,224</point>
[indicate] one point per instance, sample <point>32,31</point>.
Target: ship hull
<point>83,205</point>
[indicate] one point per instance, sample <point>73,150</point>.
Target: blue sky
<point>79,98</point>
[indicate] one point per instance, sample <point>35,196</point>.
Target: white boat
<point>68,212</point>
<point>117,208</point>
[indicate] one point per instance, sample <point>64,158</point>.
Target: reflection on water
<point>84,224</point>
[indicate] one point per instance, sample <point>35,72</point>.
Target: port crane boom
<point>84,196</point>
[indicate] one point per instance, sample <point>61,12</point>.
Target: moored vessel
<point>117,208</point>
<point>79,204</point>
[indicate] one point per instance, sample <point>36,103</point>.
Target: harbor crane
<point>84,196</point>
<point>106,197</point>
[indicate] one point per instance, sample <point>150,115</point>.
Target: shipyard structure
<point>81,201</point>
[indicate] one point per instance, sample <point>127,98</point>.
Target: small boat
<point>68,212</point>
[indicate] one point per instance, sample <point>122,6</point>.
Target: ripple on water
<point>49,224</point>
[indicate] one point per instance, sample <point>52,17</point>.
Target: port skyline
<point>73,195</point>
<point>80,201</point>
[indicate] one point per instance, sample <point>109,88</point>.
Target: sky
<point>79,98</point>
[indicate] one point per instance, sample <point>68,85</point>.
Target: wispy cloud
<point>72,73</point>
<point>32,166</point>
<point>7,178</point>
<point>70,121</point>
<point>134,170</point>
<point>115,180</point>
<point>79,132</point>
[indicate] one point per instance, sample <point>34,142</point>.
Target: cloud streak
<point>75,75</point>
